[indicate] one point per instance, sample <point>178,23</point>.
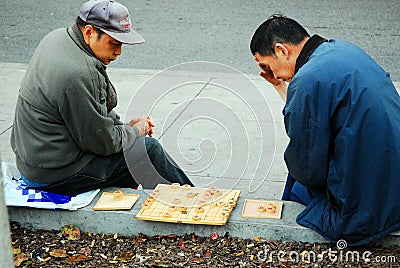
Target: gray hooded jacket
<point>63,116</point>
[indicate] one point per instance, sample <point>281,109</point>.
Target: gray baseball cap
<point>112,18</point>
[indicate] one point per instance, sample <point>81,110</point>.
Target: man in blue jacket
<point>342,116</point>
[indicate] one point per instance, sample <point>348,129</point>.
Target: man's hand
<point>268,75</point>
<point>151,124</point>
<point>144,124</point>
<point>279,85</point>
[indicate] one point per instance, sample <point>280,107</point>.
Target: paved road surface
<point>178,31</point>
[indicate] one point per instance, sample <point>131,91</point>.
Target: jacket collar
<point>76,34</point>
<point>307,51</point>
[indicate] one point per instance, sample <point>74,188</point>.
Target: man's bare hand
<point>151,124</point>
<point>268,75</point>
<point>144,124</point>
<point>279,85</point>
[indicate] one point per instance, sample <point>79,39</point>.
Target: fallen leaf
<point>239,254</point>
<point>257,239</point>
<point>58,253</point>
<point>20,257</point>
<point>198,260</point>
<point>103,256</point>
<point>250,245</point>
<point>85,251</point>
<point>71,231</point>
<point>47,259</point>
<point>182,245</point>
<point>194,238</point>
<point>76,258</point>
<point>27,263</point>
<point>125,256</point>
<point>16,251</point>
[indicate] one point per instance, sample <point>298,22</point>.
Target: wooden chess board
<point>185,204</point>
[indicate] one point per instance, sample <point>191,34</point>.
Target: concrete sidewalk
<point>224,128</point>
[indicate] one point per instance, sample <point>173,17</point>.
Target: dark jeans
<point>144,163</point>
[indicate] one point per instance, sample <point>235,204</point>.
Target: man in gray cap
<point>66,136</point>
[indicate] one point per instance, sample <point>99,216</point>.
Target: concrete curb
<point>124,222</point>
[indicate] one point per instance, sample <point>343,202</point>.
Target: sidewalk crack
<point>185,108</point>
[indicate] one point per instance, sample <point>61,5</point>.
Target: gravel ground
<point>68,247</point>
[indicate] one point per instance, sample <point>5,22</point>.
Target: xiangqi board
<point>185,204</point>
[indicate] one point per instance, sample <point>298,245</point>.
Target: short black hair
<point>81,24</point>
<point>276,29</point>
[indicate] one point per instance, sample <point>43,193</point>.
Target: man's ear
<point>87,32</point>
<point>281,50</point>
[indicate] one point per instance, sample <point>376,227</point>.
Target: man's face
<point>281,66</point>
<point>106,49</point>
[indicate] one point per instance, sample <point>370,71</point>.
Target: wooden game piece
<point>212,189</point>
<point>199,210</point>
<point>172,209</point>
<point>261,209</point>
<point>175,185</point>
<point>217,193</point>
<point>225,215</point>
<point>176,201</point>
<point>190,195</point>
<point>214,205</point>
<point>232,203</point>
<point>202,202</point>
<point>226,210</point>
<point>148,202</point>
<point>227,207</point>
<point>151,199</point>
<point>145,206</point>
<point>221,204</point>
<point>182,209</point>
<point>207,195</point>
<point>196,218</point>
<point>186,186</point>
<point>117,195</point>
<point>166,214</point>
<point>155,193</point>
<point>271,208</point>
